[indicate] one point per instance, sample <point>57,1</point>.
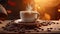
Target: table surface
<point>4,23</point>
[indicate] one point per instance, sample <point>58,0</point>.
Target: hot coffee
<point>27,16</point>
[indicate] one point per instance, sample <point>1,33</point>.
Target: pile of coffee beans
<point>14,27</point>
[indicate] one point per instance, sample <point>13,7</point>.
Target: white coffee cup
<point>27,16</point>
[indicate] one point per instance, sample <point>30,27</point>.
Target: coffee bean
<point>47,28</point>
<point>37,30</point>
<point>51,28</point>
<point>15,31</point>
<point>0,22</point>
<point>58,28</point>
<point>3,27</point>
<point>42,29</point>
<point>8,25</point>
<point>53,22</point>
<point>57,23</point>
<point>49,24</point>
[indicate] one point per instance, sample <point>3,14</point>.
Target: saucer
<point>19,21</point>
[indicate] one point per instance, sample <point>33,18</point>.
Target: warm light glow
<point>46,3</point>
<point>9,11</point>
<point>40,5</point>
<point>58,10</point>
<point>37,7</point>
<point>47,16</point>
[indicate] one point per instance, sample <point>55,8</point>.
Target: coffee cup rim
<point>29,11</point>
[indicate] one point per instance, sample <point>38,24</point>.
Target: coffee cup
<point>28,16</point>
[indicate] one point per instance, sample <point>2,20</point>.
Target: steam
<point>29,8</point>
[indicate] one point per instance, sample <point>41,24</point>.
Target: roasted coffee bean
<point>3,27</point>
<point>57,23</point>
<point>42,29</point>
<point>15,31</point>
<point>47,28</point>
<point>53,22</point>
<point>49,24</point>
<point>58,28</point>
<point>37,30</point>
<point>51,28</point>
<point>0,22</point>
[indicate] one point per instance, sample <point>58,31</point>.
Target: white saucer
<point>18,20</point>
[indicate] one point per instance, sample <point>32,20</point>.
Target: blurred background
<point>48,9</point>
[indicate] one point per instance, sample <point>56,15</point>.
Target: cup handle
<point>38,15</point>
